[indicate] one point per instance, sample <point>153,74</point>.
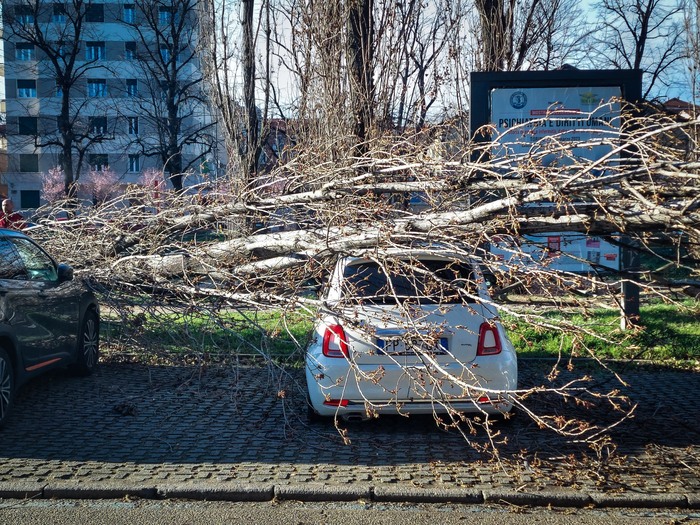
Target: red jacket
<point>13,221</point>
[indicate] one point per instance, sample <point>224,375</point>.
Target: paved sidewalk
<point>239,433</point>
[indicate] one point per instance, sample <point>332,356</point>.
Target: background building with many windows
<point>120,90</point>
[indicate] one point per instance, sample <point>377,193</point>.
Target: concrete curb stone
<point>427,495</point>
<point>26,490</point>
<point>218,492</point>
<point>537,499</point>
<point>315,492</point>
<point>97,490</point>
<point>318,492</point>
<point>640,500</point>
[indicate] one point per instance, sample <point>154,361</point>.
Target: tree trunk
<point>360,59</point>
<point>251,112</point>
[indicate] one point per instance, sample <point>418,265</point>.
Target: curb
<point>429,495</point>
<point>656,501</point>
<point>219,492</point>
<point>21,490</point>
<point>317,492</point>
<point>96,491</point>
<point>538,499</point>
<point>236,492</point>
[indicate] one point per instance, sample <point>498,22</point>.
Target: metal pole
<point>630,289</point>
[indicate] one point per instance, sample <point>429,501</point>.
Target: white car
<point>428,339</point>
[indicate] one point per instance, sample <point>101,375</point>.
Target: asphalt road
<point>291,513</point>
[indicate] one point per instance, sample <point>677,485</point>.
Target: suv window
<point>427,282</point>
<point>39,266</point>
<point>11,264</point>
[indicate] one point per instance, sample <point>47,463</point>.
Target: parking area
<point>142,426</point>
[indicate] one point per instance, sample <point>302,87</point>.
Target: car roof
<point>11,233</point>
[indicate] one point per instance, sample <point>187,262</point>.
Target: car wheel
<point>7,386</point>
<point>88,350</point>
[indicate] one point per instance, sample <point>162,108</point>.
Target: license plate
<point>398,347</point>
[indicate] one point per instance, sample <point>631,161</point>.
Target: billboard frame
<point>481,83</point>
<point>630,83</point>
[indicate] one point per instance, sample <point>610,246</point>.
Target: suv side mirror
<point>65,272</point>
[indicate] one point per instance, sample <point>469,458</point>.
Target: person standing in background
<point>9,218</point>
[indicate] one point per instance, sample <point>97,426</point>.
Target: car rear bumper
<point>483,386</point>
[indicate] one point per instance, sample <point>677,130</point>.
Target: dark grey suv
<point>47,319</point>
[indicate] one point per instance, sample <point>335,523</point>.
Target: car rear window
<point>425,282</point>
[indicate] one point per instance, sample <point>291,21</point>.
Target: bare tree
<point>537,34</point>
<point>313,55</point>
<point>413,43</point>
<point>233,53</point>
<point>252,143</point>
<point>58,32</point>
<point>174,104</point>
<point>361,66</point>
<point>692,28</point>
<point>644,34</point>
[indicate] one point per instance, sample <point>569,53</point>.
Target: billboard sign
<point>563,125</point>
<point>579,117</point>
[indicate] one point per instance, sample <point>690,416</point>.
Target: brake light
<point>336,402</point>
<point>334,342</point>
<point>489,340</point>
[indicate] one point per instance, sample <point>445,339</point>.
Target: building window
<point>129,14</point>
<point>60,48</point>
<point>59,89</point>
<point>59,14</point>
<point>26,89</point>
<point>95,13</point>
<point>24,14</point>
<point>24,51</point>
<point>165,52</point>
<point>98,125</point>
<point>132,87</point>
<point>165,15</point>
<point>129,50</point>
<point>27,125</point>
<point>133,125</point>
<point>97,88</point>
<point>134,163</point>
<point>29,199</point>
<point>28,162</point>
<point>98,161</point>
<point>95,51</point>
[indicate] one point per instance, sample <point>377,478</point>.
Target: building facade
<point>115,85</point>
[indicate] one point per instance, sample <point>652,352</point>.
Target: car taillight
<point>336,402</point>
<point>489,340</point>
<point>334,342</point>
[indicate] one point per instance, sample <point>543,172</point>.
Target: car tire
<point>7,386</point>
<point>88,348</point>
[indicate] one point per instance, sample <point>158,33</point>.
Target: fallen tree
<point>272,244</point>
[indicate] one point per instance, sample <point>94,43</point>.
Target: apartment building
<point>103,83</point>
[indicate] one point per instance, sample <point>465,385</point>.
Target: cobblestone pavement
<point>146,428</point>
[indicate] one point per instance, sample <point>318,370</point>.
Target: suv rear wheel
<point>88,350</point>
